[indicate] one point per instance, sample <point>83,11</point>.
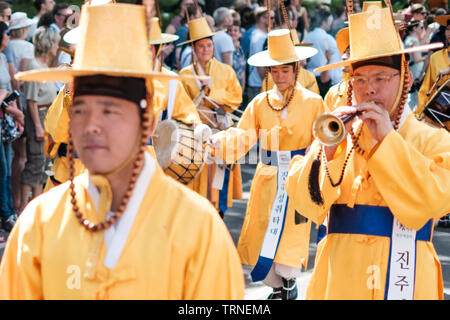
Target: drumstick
<point>434,85</point>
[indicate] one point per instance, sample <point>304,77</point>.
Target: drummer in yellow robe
<point>438,68</point>
<point>123,230</point>
<point>381,187</point>
<point>274,238</point>
<point>171,101</point>
<point>216,99</point>
<point>176,103</point>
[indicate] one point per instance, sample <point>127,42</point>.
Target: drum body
<point>437,110</point>
<point>178,150</point>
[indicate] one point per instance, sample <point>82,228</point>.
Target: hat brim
<point>263,59</point>
<point>67,75</point>
<point>428,47</point>
<point>196,39</point>
<point>27,24</point>
<point>165,38</point>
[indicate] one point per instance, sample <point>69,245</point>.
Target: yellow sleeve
<point>20,276</point>
<point>422,97</point>
<point>184,109</point>
<point>56,121</point>
<point>215,271</point>
<point>231,94</point>
<point>236,142</point>
<point>413,182</point>
<point>298,181</point>
<point>311,82</point>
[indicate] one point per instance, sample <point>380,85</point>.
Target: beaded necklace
<point>290,96</point>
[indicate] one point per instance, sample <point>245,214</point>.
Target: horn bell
<point>329,129</point>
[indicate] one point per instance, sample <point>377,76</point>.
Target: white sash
<point>402,263</point>
<point>277,213</point>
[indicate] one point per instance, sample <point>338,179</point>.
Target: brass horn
<point>330,129</point>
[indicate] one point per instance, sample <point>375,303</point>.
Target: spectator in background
<point>61,12</point>
<point>177,21</point>
<point>257,41</point>
<point>339,22</point>
<point>39,96</point>
<point>302,16</point>
<point>223,43</point>
<point>5,12</point>
<point>239,60</point>
<point>248,23</point>
<point>7,213</point>
<point>23,51</point>
<point>183,33</point>
<point>415,35</point>
<point>42,6</point>
<point>327,47</point>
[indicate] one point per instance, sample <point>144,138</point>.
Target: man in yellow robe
<point>96,237</point>
<point>281,119</point>
<point>216,99</point>
<point>381,187</point>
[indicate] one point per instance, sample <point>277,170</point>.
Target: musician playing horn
<point>216,99</point>
<point>274,239</point>
<point>382,187</point>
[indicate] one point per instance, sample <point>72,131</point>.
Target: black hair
<point>3,29</point>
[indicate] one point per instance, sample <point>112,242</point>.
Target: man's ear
<point>410,79</point>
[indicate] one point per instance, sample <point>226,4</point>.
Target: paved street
<point>234,218</point>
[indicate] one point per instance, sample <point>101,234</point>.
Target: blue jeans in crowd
<point>6,203</point>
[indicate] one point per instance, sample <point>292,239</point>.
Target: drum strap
<point>173,85</point>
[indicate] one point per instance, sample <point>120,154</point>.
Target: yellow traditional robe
<point>177,248</point>
<point>56,124</point>
<point>337,94</point>
<point>225,88</point>
<point>285,130</point>
<point>306,78</point>
<point>438,61</point>
<point>409,172</point>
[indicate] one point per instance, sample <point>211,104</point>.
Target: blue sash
<point>370,220</point>
<point>265,262</point>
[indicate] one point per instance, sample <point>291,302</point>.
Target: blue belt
<point>150,141</point>
<point>369,220</point>
<point>270,158</point>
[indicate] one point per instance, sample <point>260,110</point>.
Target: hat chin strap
<point>403,83</point>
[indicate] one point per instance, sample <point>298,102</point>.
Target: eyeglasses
<point>377,80</point>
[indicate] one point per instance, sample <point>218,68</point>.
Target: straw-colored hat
<point>157,37</point>
<point>19,20</point>
<point>113,42</point>
<point>442,19</point>
<point>342,40</point>
<point>280,50</point>
<point>368,4</point>
<point>198,29</point>
<point>374,38</point>
<point>73,36</point>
